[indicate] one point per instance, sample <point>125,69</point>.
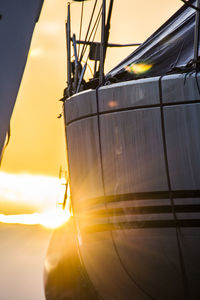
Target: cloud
<point>51,28</point>
<point>35,52</point>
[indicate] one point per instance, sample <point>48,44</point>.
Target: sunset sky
<point>37,145</point>
<point>29,183</point>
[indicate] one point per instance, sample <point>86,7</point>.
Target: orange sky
<point>37,142</point>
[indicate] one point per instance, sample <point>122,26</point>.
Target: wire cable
<point>82,7</point>
<point>85,65</point>
<point>96,24</point>
<point>91,18</point>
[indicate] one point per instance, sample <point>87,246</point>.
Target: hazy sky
<point>37,142</point>
<point>23,250</point>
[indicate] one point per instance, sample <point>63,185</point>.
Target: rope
<point>96,24</point>
<point>91,18</point>
<point>80,27</point>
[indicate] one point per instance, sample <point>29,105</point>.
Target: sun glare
<point>52,218</point>
<point>38,191</point>
<point>44,194</point>
<point>36,52</point>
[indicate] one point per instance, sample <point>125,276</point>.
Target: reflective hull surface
<point>134,157</point>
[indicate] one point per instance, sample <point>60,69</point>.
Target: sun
<point>46,199</point>
<point>51,218</point>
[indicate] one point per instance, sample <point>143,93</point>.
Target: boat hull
<point>134,155</point>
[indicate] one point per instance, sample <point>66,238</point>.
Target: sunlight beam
<point>42,193</point>
<point>52,218</point>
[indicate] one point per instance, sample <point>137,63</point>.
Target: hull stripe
<point>143,225</point>
<point>178,194</point>
<point>140,210</point>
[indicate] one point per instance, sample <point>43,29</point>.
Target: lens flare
<point>41,193</point>
<point>51,218</point>
<point>139,68</point>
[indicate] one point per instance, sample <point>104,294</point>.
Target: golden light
<point>139,68</point>
<point>41,193</point>
<point>52,218</point>
<point>35,52</point>
<point>38,191</point>
<point>51,28</point>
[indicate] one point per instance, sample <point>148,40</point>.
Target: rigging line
<point>105,201</point>
<point>80,26</point>
<point>109,44</point>
<point>88,67</point>
<point>178,233</point>
<point>85,65</point>
<point>91,18</point>
<point>96,24</point>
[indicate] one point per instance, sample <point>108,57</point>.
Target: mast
<point>68,32</point>
<point>102,45</point>
<point>107,29</point>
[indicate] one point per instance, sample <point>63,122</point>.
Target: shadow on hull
<point>64,275</point>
